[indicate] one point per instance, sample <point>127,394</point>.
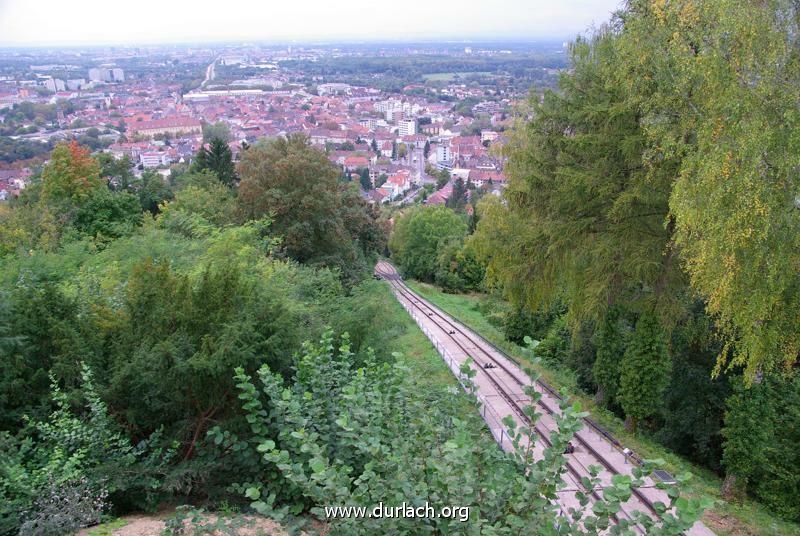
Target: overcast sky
<point>45,22</point>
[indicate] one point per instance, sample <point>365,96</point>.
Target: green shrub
<point>339,435</point>
<point>70,463</point>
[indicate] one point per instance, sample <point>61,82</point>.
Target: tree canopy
<point>70,176</point>
<point>320,220</point>
<point>634,179</point>
<point>420,234</point>
<point>657,188</point>
<point>216,131</point>
<point>218,159</point>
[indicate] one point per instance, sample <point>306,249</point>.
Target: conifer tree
<point>458,199</point>
<point>218,159</point>
<point>610,342</point>
<point>645,371</point>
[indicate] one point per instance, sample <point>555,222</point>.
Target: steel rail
<point>393,278</point>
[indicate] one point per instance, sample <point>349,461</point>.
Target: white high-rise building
<point>96,75</point>
<point>54,84</point>
<point>443,157</point>
<point>105,74</point>
<point>407,127</point>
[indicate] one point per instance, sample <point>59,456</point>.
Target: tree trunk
<point>631,424</point>
<point>600,396</point>
<point>731,488</point>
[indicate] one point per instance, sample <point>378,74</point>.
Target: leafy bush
<point>554,347</point>
<point>762,430</point>
<point>108,215</point>
<point>457,268</point>
<point>522,322</point>
<point>418,236</point>
<point>337,435</point>
<point>71,463</point>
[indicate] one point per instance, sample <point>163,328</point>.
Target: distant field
<point>447,77</point>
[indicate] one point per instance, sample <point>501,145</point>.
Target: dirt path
<point>143,525</point>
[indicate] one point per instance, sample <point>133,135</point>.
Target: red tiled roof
<point>494,176</point>
<point>167,122</point>
<point>356,161</point>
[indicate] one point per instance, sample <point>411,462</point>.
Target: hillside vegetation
<point>648,234</point>
<point>217,340</point>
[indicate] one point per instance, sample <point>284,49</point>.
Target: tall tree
<point>458,198</point>
<point>363,176</point>
<point>218,158</point>
<point>728,76</point>
<point>610,342</point>
<point>296,185</point>
<point>591,210</point>
<point>645,371</point>
<point>70,176</point>
<point>418,236</point>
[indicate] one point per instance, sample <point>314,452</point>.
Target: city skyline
<point>91,22</point>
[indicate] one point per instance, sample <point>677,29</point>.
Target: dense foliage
<point>428,244</point>
<point>655,196</point>
<point>56,480</point>
<point>340,436</point>
<point>320,220</point>
<point>721,80</point>
<point>142,297</point>
<point>761,442</point>
<point>134,313</point>
<point>645,370</point>
<point>12,150</point>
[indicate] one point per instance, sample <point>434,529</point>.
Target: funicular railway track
<point>508,379</point>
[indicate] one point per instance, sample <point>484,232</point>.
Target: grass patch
<point>429,368</point>
<point>750,517</point>
<point>107,529</point>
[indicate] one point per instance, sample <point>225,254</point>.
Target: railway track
<point>506,377</point>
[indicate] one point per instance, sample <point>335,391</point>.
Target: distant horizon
<point>52,23</point>
<point>485,41</point>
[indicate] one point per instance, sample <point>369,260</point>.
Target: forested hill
<point>127,303</point>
